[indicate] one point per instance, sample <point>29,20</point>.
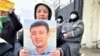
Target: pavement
<point>90,52</point>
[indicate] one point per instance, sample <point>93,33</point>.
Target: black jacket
<point>18,43</point>
<point>20,37</point>
<point>6,49</point>
<point>10,29</point>
<point>60,39</point>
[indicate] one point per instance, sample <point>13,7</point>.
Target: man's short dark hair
<point>40,23</point>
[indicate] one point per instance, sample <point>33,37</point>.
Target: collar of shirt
<point>45,52</point>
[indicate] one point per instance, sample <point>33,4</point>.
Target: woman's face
<point>42,13</point>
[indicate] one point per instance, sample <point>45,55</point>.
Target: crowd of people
<point>69,34</point>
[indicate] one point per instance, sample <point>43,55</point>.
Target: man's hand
<point>65,36</point>
<point>23,52</point>
<point>55,53</point>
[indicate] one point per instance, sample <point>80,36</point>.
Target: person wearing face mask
<point>9,25</point>
<point>62,48</point>
<point>72,32</point>
<point>59,26</point>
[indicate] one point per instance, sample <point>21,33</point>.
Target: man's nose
<point>37,35</point>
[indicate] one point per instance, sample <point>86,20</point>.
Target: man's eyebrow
<point>33,31</point>
<point>41,31</point>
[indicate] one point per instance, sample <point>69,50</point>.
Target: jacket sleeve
<point>77,31</point>
<point>15,22</point>
<point>6,49</point>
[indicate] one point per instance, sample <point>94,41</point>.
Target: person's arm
<point>5,48</point>
<point>77,31</point>
<point>61,51</point>
<point>15,22</point>
<point>23,52</point>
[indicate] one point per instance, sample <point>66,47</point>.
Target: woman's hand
<point>23,52</point>
<point>55,53</point>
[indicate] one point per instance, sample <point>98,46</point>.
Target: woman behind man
<point>43,12</point>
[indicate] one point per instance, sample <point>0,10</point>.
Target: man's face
<point>42,13</point>
<point>39,36</point>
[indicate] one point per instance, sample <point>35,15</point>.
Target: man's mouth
<point>38,41</point>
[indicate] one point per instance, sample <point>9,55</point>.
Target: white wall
<point>91,18</point>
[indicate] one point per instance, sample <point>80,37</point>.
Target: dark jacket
<point>20,37</point>
<point>60,39</point>
<point>17,48</point>
<point>6,49</point>
<point>18,43</point>
<point>61,43</point>
<point>10,29</point>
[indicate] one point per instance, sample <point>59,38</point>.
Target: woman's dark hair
<point>74,12</point>
<point>49,10</point>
